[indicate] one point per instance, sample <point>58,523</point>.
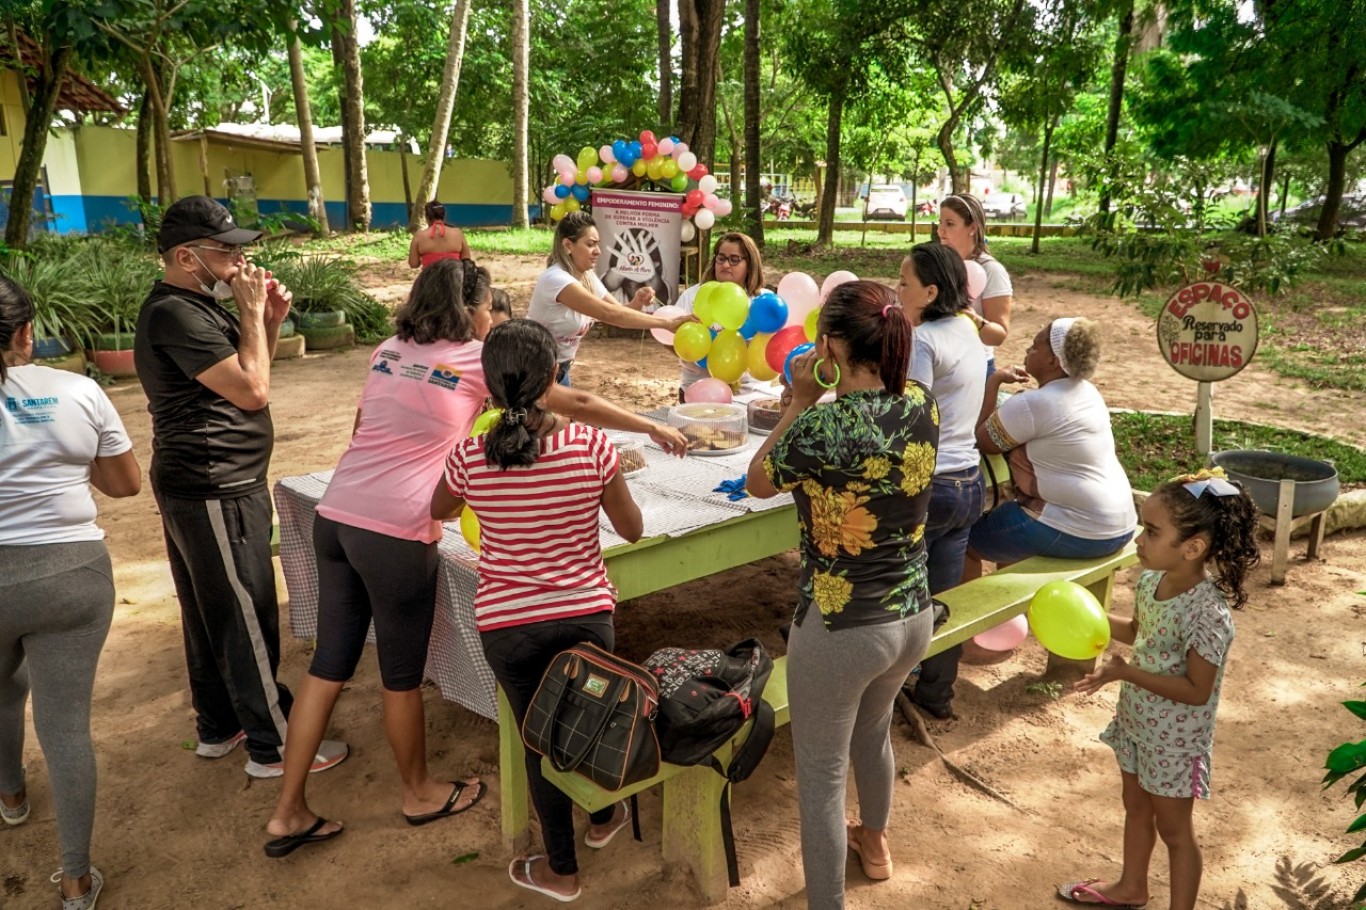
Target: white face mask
<point>221,290</point>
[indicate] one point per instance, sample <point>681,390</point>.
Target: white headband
<point>1057,335</point>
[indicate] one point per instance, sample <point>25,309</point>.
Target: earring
<point>820,381</point>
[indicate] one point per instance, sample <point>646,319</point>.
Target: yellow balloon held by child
<point>469,527</point>
<point>1069,621</point>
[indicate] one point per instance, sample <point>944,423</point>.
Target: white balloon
<point>687,161</point>
<point>707,184</point>
<point>723,208</point>
<point>689,232</point>
<point>704,218</point>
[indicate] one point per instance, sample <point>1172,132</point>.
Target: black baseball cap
<point>200,218</point>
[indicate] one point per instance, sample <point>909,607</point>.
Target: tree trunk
<point>833,121</point>
<point>30,164</point>
<point>143,154</point>
<point>407,183</point>
<point>521,110</point>
<point>754,203</point>
<point>732,136</point>
<point>313,183</point>
<point>1043,177</point>
<point>666,65</point>
<point>1267,179</point>
<point>1285,193</point>
<point>347,48</point>
<point>1052,182</point>
<point>161,127</point>
<point>1332,194</point>
<point>441,124</point>
<point>1120,66</point>
<point>700,27</point>
<point>944,139</point>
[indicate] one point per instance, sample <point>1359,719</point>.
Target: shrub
<point>1350,758</point>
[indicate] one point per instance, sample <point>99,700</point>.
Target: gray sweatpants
<point>56,604</point>
<point>841,687</point>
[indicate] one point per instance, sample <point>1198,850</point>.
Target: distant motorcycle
<point>779,207</point>
<point>805,210</point>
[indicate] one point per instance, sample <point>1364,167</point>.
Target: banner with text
<point>641,235</point>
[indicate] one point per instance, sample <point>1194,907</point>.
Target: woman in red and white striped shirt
<point>537,483</point>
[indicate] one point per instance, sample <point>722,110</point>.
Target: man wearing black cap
<point>206,373</point>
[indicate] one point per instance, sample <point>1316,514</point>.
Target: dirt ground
<point>175,831</point>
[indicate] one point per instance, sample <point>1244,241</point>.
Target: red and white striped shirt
<point>539,557</point>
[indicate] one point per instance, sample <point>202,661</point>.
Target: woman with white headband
<point>1072,498</point>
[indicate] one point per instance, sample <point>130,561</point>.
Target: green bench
<point>691,835</point>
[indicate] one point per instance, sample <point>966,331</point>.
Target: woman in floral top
<point>859,469</point>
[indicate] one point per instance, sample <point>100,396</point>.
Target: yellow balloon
<point>655,170</point>
<point>702,303</point>
<point>640,167</point>
<point>469,527</point>
<point>485,421</point>
<point>812,318</point>
<point>558,211</point>
<point>581,176</point>
<point>571,204</point>
<point>757,362</point>
<point>730,305</point>
<point>692,341</point>
<point>727,358</point>
<point>1069,621</point>
<point>668,168</point>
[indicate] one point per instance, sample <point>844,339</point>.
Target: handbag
<point>593,715</point>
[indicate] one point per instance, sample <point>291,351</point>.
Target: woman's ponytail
<point>519,366</point>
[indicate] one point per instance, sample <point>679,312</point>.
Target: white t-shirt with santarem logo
<point>53,424</point>
<point>567,325</point>
<point>418,399</point>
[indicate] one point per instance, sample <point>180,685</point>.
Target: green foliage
<point>321,284</point>
<point>1347,760</point>
<point>59,308</point>
<point>114,282</point>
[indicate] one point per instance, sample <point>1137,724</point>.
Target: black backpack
<point>705,697</point>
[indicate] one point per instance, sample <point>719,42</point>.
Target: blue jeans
<point>955,505</point>
<point>1009,534</point>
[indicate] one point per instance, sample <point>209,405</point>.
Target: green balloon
<point>679,183</point>
<point>730,305</point>
<point>1069,621</point>
<point>485,421</point>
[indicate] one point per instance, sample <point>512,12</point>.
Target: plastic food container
<point>764,414</point>
<point>711,429</point>
<point>632,454</point>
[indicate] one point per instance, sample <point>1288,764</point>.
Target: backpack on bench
<point>705,697</point>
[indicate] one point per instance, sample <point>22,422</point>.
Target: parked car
<point>1351,213</point>
<point>885,202</point>
<point>1003,205</point>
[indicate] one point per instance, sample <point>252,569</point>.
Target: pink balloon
<point>710,390</point>
<point>568,176</point>
<point>666,146</point>
<point>801,294</point>
<point>664,336</point>
<point>977,279</point>
<point>723,208</point>
<point>548,194</point>
<point>620,173</point>
<point>1005,637</point>
<point>834,280</point>
<point>679,148</point>
<point>595,174</point>
<point>562,162</point>
<point>709,201</point>
<point>606,154</point>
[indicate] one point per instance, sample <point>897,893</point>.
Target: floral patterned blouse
<point>859,469</point>
<point>1168,630</point>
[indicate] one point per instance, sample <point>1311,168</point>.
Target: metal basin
<point>1261,473</point>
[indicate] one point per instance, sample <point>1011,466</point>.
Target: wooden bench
<point>691,835</point>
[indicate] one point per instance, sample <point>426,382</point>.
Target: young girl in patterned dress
<point>1196,548</point>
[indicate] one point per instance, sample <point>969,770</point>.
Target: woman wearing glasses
<point>569,296</point>
<point>734,259</point>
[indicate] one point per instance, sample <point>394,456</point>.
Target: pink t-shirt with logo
<point>418,401</point>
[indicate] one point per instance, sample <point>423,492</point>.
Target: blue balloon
<point>768,312</point>
<point>619,148</point>
<point>798,351</point>
<point>702,363</point>
<point>626,158</point>
<point>748,331</point>
<point>635,148</point>
<point>561,191</point>
<point>580,192</point>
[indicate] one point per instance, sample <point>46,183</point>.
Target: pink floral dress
<point>1168,744</point>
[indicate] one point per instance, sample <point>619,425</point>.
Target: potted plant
<point>116,282</point>
<point>62,319</point>
<point>325,295</point>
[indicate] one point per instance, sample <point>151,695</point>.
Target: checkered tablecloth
<point>676,498</point>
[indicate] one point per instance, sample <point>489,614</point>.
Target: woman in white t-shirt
<point>1072,497</point>
<point>59,434</point>
<point>569,297</point>
<point>962,228</point>
<point>735,259</point>
<point>947,358</point>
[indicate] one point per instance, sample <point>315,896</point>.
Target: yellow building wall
<point>12,110</point>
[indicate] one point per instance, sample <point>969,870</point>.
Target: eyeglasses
<point>732,261</point>
<point>232,252</point>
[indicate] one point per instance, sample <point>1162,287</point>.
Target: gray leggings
<point>56,603</point>
<point>841,687</point>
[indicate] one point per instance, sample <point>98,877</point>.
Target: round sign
<point>1207,331</point>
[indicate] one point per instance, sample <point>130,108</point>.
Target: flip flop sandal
<point>283,846</point>
<point>1071,890</point>
<point>878,872</point>
<point>530,883</point>
<point>599,843</point>
<point>449,809</point>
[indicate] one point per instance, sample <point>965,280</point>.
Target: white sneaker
<point>87,900</point>
<point>218,750</point>
<point>330,754</point>
<point>19,814</point>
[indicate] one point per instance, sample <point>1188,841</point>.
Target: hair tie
<point>514,416</point>
<point>1207,480</point>
<point>885,308</point>
<point>1057,338</point>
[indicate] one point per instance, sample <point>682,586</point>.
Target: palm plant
<point>322,284</point>
<point>116,282</point>
<point>60,307</point>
